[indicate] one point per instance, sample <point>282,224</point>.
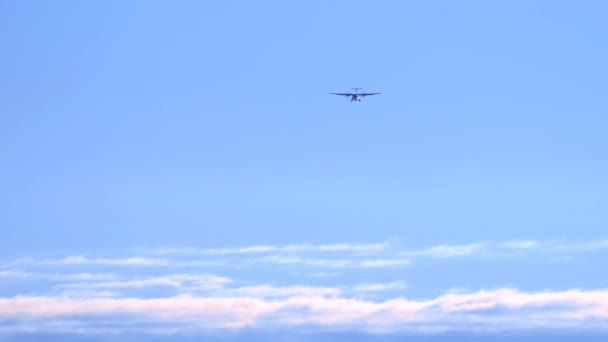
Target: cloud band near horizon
<point>501,309</point>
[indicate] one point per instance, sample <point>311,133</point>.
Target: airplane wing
<point>343,94</point>
<point>368,94</point>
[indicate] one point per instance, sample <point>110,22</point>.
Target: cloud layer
<point>390,253</point>
<point>342,286</point>
<point>496,309</point>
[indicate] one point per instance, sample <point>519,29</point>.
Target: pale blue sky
<point>126,127</point>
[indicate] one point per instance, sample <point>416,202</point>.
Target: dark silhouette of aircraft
<point>357,95</point>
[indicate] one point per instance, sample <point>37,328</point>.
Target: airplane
<point>356,96</point>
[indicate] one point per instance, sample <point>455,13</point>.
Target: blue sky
<point>187,159</point>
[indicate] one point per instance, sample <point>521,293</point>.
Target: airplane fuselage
<point>357,96</point>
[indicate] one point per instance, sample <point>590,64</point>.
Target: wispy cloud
<point>554,247</point>
<point>377,263</point>
<point>292,248</point>
<point>339,255</point>
<point>508,248</point>
<point>447,251</point>
<point>82,260</point>
<point>497,309</point>
<point>519,244</point>
<point>184,282</point>
<point>282,291</point>
<point>582,246</point>
<point>12,273</point>
<point>333,263</point>
<point>195,297</point>
<point>395,285</point>
<point>268,291</point>
<point>87,293</point>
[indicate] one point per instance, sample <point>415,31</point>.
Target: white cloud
<point>377,263</point>
<point>498,309</point>
<point>519,244</point>
<point>448,251</point>
<point>333,263</point>
<point>183,282</point>
<point>213,301</point>
<point>506,248</point>
<point>284,291</point>
<point>87,293</point>
<point>134,261</point>
<point>12,273</point>
<point>343,255</point>
<point>555,247</point>
<point>292,248</point>
<point>82,260</point>
<point>581,246</point>
<point>322,274</point>
<point>395,285</point>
